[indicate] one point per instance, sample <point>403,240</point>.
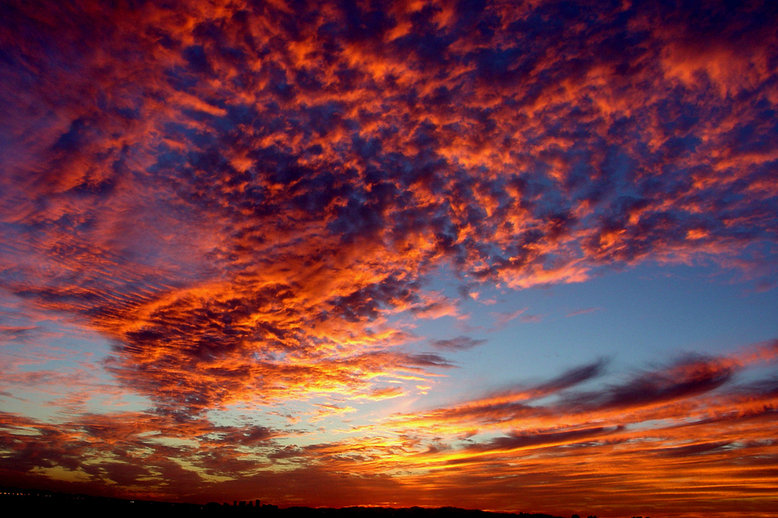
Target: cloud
<point>696,416</point>
<point>681,380</point>
<point>188,187</point>
<point>385,393</point>
<point>584,311</point>
<point>456,344</point>
<point>687,387</point>
<point>246,209</point>
<point>502,319</point>
<point>498,408</point>
<point>529,440</point>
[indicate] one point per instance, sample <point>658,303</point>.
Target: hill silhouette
<point>22,502</point>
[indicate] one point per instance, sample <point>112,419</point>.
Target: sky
<point>517,256</point>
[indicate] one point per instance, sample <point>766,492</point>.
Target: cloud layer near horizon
<point>612,449</point>
<point>248,201</point>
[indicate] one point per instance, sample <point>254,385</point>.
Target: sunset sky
<point>506,255</point>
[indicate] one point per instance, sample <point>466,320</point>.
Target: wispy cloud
<point>456,344</point>
<point>582,311</point>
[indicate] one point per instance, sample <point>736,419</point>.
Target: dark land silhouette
<point>49,504</point>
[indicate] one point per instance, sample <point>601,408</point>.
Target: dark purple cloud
<point>456,344</point>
